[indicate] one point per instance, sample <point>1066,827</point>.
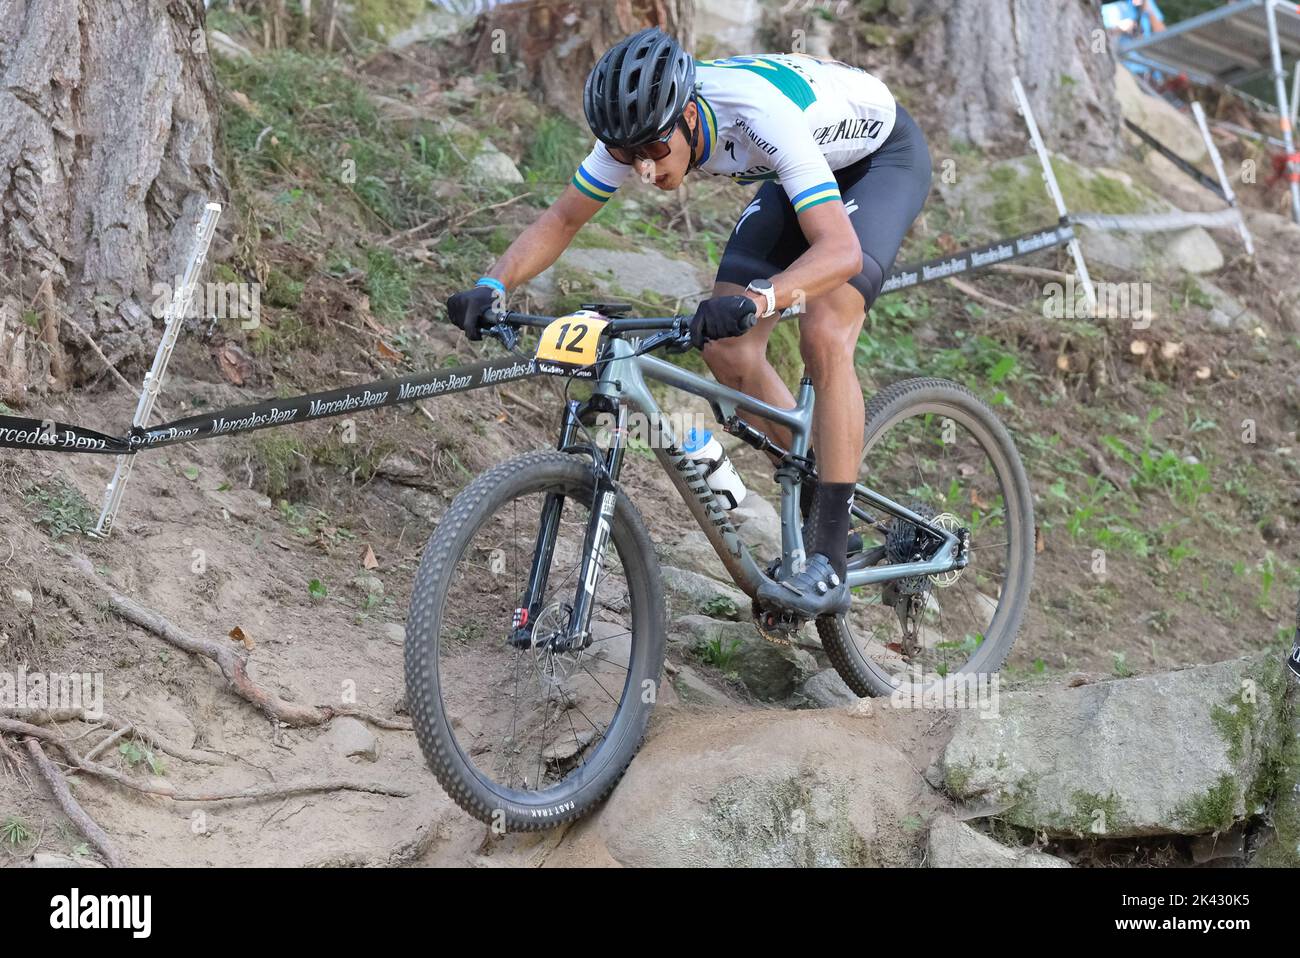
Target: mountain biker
<point>844,170</point>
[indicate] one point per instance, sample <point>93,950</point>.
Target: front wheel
<point>530,737</point>
<point>936,448</point>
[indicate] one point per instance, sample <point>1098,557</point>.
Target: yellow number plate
<point>572,340</point>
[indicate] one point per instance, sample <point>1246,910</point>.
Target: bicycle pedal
<point>777,626</point>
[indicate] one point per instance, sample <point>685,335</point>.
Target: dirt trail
<point>197,545</point>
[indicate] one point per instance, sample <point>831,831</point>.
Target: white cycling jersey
<point>787,117</point>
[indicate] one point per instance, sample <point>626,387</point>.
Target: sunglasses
<point>654,150</point>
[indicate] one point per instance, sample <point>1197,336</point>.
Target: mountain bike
<point>536,635</point>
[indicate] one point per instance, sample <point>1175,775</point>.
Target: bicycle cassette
<point>905,542</point>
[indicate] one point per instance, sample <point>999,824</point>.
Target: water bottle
<point>707,453</point>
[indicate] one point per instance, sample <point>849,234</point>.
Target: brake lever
<point>681,339</point>
<point>507,334</point>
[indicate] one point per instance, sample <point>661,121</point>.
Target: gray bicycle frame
<point>622,378</point>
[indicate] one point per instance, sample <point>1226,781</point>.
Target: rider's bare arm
<point>833,257</point>
<point>541,244</point>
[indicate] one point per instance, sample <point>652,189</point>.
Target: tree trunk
<point>108,112</point>
<point>968,50</point>
<point>961,54</point>
<point>549,46</point>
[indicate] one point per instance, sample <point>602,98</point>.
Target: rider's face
<point>667,174</point>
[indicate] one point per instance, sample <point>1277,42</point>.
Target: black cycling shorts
<point>883,193</point>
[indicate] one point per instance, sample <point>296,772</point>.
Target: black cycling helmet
<point>638,88</point>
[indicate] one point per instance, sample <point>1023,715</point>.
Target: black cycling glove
<point>468,309</point>
<point>721,317</point>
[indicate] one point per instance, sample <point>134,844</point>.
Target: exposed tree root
<point>71,808</point>
<point>121,727</point>
<point>34,735</point>
<point>231,660</point>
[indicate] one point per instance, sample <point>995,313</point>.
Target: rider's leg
<point>828,335</point>
<point>741,363</point>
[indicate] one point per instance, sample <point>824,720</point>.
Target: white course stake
<point>176,310</point>
<point>1217,160</point>
<point>1295,93</point>
<point>1054,190</point>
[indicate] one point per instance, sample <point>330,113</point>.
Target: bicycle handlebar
<point>619,325</point>
<point>674,331</point>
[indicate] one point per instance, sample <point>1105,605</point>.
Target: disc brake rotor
<point>948,523</point>
<point>554,669</point>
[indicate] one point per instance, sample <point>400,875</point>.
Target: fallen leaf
<point>388,352</point>
<point>1202,372</point>
<point>242,101</point>
<point>1063,363</point>
<point>1137,347</point>
<point>1039,542</point>
<point>1170,350</point>
<point>368,560</point>
<point>235,364</point>
<point>238,635</point>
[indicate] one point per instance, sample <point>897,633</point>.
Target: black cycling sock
<point>807,490</point>
<point>831,531</point>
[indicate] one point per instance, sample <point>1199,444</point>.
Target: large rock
<point>692,592</point>
<point>1283,851</point>
<point>351,738</point>
<point>770,672</point>
<point>954,844</point>
<point>1193,250</point>
<point>631,272</point>
<point>1182,752</point>
<point>826,690</point>
<point>760,789</point>
<point>759,525</point>
<point>1126,252</point>
<point>491,165</point>
<point>692,689</point>
<point>1162,120</point>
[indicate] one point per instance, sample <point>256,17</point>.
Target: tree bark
<point>968,50</point>
<point>108,112</point>
<point>961,54</point>
<point>549,46</point>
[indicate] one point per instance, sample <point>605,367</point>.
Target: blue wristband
<point>496,284</point>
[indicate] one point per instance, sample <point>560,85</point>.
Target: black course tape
<point>977,257</point>
<point>1205,180</point>
<point>19,433</point>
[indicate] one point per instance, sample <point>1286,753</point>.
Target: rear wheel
<point>528,738</point>
<point>936,448</point>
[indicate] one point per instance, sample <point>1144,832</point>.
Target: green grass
<point>63,509</point>
<point>14,832</point>
<point>557,147</point>
<point>720,654</point>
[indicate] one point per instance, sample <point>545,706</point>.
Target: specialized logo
<point>750,210</point>
<point>856,128</point>
<point>764,146</point>
<point>851,207</point>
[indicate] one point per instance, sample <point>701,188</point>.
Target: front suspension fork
<point>607,465</point>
